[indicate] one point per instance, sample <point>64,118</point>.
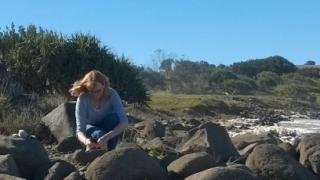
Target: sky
<point>216,31</point>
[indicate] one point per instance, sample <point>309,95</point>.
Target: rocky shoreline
<point>248,147</point>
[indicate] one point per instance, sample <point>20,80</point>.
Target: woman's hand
<point>91,144</point>
<point>103,140</point>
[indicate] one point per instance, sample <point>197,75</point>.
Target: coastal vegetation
<point>38,66</point>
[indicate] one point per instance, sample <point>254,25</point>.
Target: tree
<point>276,64</point>
<point>159,55</point>
<point>167,67</point>
<point>310,62</point>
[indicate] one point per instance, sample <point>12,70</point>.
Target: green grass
<point>182,104</point>
<point>168,101</point>
<point>220,104</point>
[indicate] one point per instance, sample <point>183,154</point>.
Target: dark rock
<point>9,177</point>
<point>8,165</point>
<point>83,157</point>
<point>168,158</point>
<point>289,149</point>
<point>248,149</point>
<point>213,139</point>
<point>241,141</point>
<point>43,171</point>
<point>190,164</point>
<point>224,173</point>
<point>59,170</point>
<point>125,163</point>
<point>28,153</point>
<point>62,124</point>
<point>43,134</point>
<point>271,162</point>
<point>74,176</point>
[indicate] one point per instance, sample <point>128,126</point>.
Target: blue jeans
<point>95,131</point>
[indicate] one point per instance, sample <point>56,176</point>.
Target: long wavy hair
<point>89,79</point>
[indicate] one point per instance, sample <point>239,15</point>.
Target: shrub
<point>44,61</point>
<point>309,72</point>
<point>239,86</point>
<point>297,92</point>
<point>276,64</point>
<point>267,80</point>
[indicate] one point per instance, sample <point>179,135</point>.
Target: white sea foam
<point>287,131</point>
<point>302,126</point>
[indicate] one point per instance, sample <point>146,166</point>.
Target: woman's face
<point>96,90</point>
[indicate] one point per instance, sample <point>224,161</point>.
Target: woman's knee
<point>94,132</point>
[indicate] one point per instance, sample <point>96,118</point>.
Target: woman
<point>100,115</point>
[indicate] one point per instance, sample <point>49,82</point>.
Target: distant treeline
<point>271,75</point>
<point>44,61</point>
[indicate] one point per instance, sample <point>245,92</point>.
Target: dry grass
<point>14,116</point>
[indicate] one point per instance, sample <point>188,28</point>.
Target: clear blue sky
<point>217,31</point>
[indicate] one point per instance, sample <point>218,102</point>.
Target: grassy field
<point>222,104</point>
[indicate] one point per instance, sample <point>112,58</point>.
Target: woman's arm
<point>81,120</point>
<point>82,138</point>
<point>86,141</point>
<point>123,119</point>
<point>111,134</point>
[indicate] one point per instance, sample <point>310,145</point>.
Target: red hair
<point>89,79</point>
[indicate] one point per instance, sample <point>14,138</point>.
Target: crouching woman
<point>100,116</point>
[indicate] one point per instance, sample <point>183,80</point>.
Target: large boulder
<point>62,124</point>
<point>28,153</point>
<point>9,177</point>
<point>213,139</point>
<point>190,164</point>
<point>8,165</point>
<point>289,149</point>
<point>84,157</point>
<point>309,149</point>
<point>59,170</point>
<point>125,163</point>
<point>271,162</point>
<point>224,173</point>
<point>243,140</point>
<point>74,176</point>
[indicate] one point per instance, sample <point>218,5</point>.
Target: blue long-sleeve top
<point>86,113</point>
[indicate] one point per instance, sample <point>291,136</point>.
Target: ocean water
<point>302,125</point>
<point>287,131</point>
